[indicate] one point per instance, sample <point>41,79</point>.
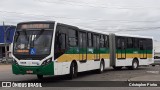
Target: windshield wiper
<point>39,34</point>
<point>25,33</point>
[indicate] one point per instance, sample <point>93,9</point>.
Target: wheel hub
<point>101,67</point>
<point>135,65</point>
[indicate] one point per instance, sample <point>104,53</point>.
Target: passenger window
<point>73,37</point>
<point>97,41</point>
<point>129,43</point>
<point>136,43</point>
<point>123,43</point>
<point>141,45</point>
<point>102,41</point>
<point>119,43</point>
<point>94,40</point>
<point>106,41</point>
<point>62,39</point>
<point>82,40</point>
<point>149,44</point>
<point>90,40</point>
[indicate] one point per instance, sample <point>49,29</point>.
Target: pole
<point>5,43</point>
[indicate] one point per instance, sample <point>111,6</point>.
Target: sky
<point>141,17</point>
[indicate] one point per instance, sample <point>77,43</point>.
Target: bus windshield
<point>33,42</point>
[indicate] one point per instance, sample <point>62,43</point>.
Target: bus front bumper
<point>40,70</point>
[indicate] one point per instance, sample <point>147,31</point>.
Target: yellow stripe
<point>70,57</point>
<point>134,55</point>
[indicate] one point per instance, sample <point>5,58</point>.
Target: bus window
<point>106,41</point>
<point>90,40</point>
<point>102,41</point>
<point>141,47</point>
<point>136,43</point>
<point>73,37</point>
<point>80,39</point>
<point>123,43</point>
<point>84,40</point>
<point>118,43</point>
<point>142,44</point>
<point>94,40</point>
<point>62,41</point>
<point>97,41</point>
<point>129,43</point>
<point>149,44</point>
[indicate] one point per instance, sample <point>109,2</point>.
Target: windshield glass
<point>33,42</point>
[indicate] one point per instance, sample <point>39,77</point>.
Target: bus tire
<point>40,76</point>
<point>73,70</point>
<point>135,65</point>
<point>101,67</point>
<point>117,68</point>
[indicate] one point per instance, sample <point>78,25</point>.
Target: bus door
<point>142,49</point>
<point>96,42</point>
<point>121,52</point>
<point>82,46</point>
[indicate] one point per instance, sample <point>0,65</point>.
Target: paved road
<point>142,74</point>
<point>108,75</point>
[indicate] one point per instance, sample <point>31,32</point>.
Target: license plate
<point>29,71</point>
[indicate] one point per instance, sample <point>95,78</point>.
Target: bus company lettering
<point>26,84</point>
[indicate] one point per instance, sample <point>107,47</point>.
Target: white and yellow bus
<point>51,48</point>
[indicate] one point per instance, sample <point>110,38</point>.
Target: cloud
<point>104,15</point>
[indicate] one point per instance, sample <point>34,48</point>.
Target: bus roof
<point>94,31</point>
<point>129,35</point>
<point>36,22</point>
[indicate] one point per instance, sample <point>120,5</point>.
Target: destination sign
<point>34,26</point>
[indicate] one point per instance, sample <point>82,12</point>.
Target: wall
<point>9,34</point>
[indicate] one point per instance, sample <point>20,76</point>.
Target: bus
<point>51,48</point>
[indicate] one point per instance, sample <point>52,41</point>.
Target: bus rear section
<point>130,51</point>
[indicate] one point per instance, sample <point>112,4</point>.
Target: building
<point>7,31</point>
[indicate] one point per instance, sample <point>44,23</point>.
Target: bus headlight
<point>47,61</point>
<point>14,62</point>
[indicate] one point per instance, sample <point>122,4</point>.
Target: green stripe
<point>76,50</point>
<point>132,51</point>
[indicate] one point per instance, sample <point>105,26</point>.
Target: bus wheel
<point>117,68</point>
<point>40,76</point>
<point>73,70</point>
<point>134,66</point>
<point>101,68</point>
